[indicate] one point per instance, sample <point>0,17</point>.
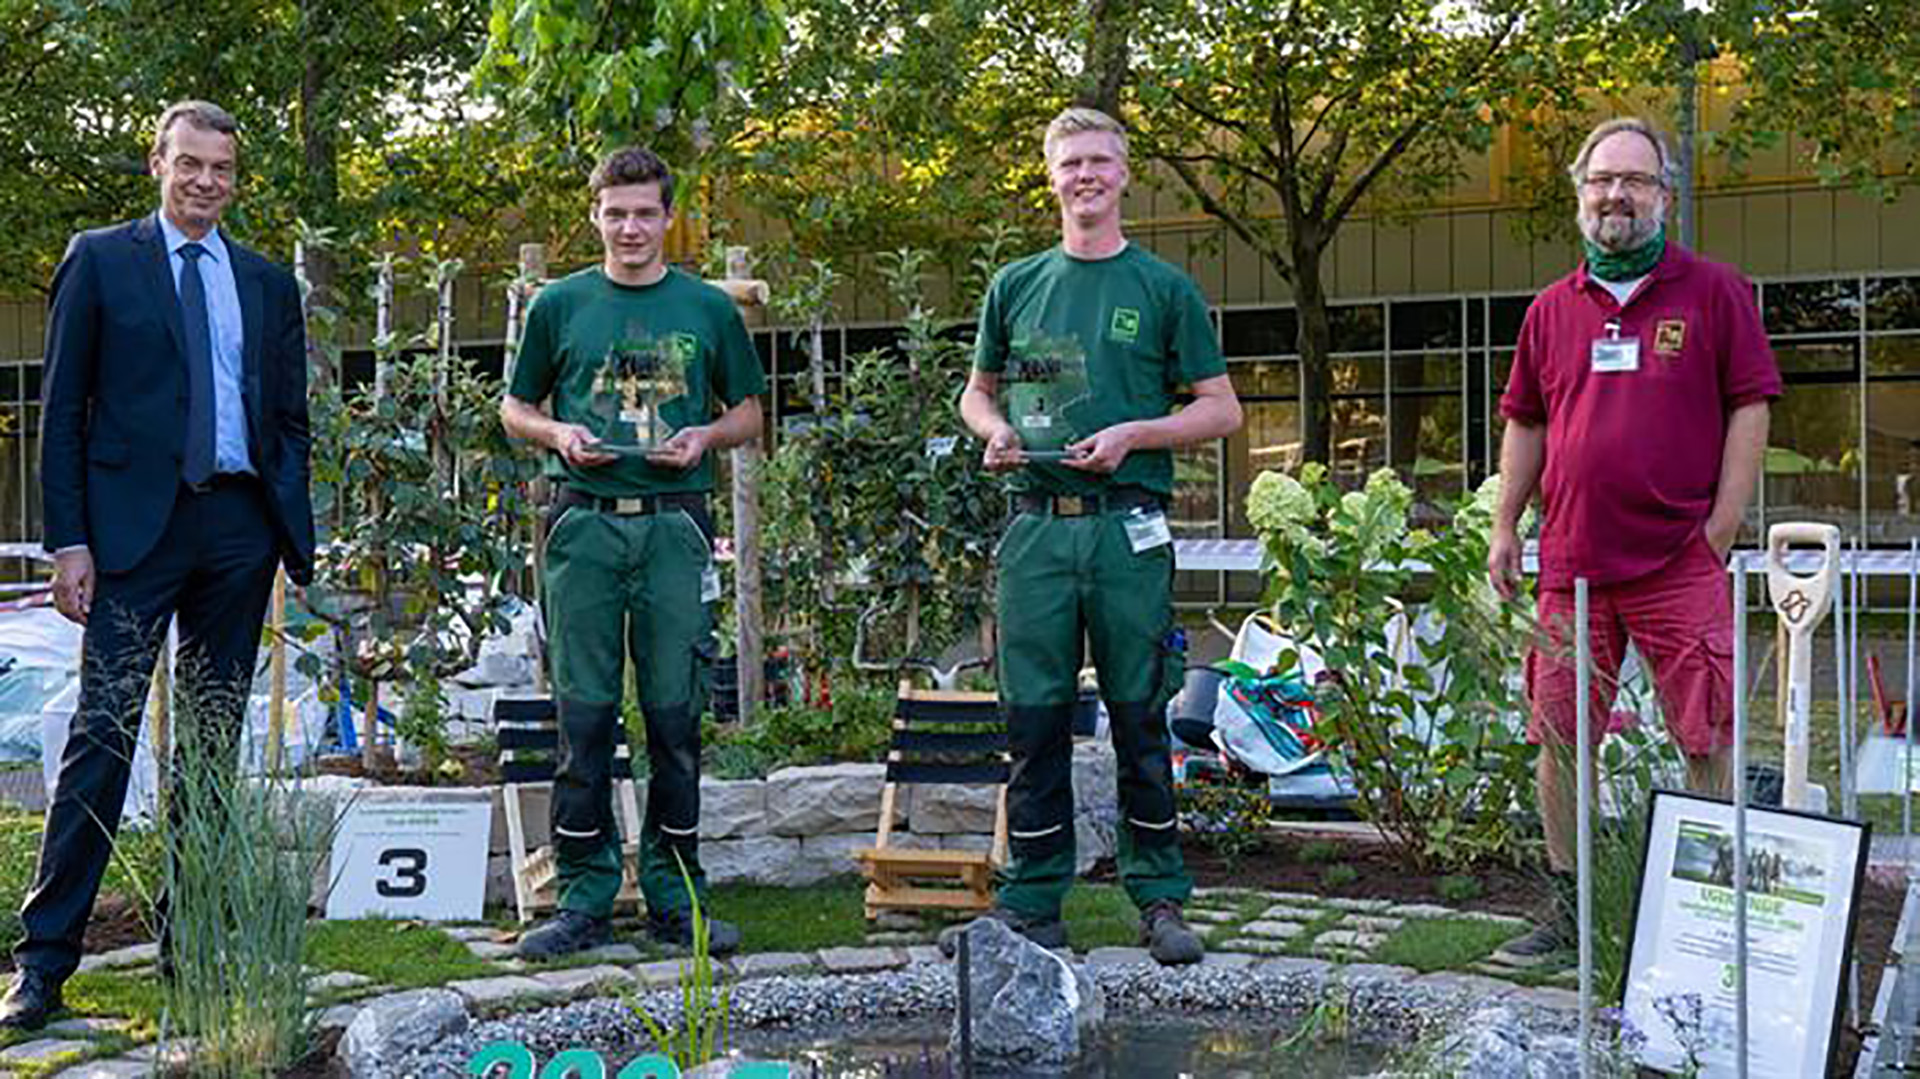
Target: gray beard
<point>1615,234</point>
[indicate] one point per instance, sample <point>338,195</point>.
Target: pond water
<point>1125,1047</point>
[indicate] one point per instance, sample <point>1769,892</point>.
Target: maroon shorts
<point>1679,618</point>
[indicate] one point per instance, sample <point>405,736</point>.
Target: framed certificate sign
<point>1803,890</point>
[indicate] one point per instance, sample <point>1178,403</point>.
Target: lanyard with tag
<point>1613,354</point>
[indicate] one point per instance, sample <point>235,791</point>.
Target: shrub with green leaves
<point>1431,735</point>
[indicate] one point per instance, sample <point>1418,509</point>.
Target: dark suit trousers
<point>214,567</point>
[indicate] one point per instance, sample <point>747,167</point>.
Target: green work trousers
<point>621,585</point>
<point>1063,580</point>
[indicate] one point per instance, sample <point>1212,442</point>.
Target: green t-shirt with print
<point>1079,345</point>
<point>589,342</point>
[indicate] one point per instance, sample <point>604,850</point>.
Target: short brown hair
<point>1078,119</point>
<point>633,165</point>
<point>1668,175</point>
<point>204,115</point>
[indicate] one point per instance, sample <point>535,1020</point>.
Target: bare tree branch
<point>1235,223</point>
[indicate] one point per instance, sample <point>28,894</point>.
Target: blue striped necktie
<point>197,468</point>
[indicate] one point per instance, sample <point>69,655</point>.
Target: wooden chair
<point>529,736</point>
<point>939,736</point>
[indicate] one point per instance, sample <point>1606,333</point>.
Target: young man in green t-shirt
<point>1090,341</point>
<point>636,358</point>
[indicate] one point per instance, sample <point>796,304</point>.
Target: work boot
<point>1046,932</point>
<point>675,927</point>
<point>1554,928</point>
<point>1166,935</point>
<point>33,996</point>
<point>565,933</point>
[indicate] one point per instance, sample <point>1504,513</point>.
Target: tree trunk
<point>1106,59</point>
<point>1314,339</point>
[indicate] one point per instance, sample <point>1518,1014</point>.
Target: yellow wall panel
<point>1810,232</point>
<point>1392,260</point>
<point>1353,255</point>
<point>1856,232</point>
<point>1722,224</point>
<point>1766,239</point>
<point>1473,251</point>
<point>1433,257</point>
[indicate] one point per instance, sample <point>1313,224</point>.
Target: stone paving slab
<point>488,949</point>
<point>925,953</point>
<point>1227,960</point>
<point>657,974</point>
<point>765,964</point>
<point>1292,966</point>
<point>1119,957</point>
<point>1372,973</point>
<point>614,953</point>
<point>1359,906</point>
<point>860,960</point>
<point>1349,938</point>
<point>580,979</point>
<point>1373,923</point>
<point>473,932</point>
<point>87,1026</point>
<point>1547,996</point>
<point>1202,915</point>
<point>1453,981</point>
<point>1287,912</point>
<point>116,1068</point>
<point>483,992</point>
<point>1256,945</point>
<point>172,1051</point>
<point>1421,910</point>
<point>337,981</point>
<point>1273,930</point>
<point>890,938</point>
<point>1299,899</point>
<point>1496,919</point>
<point>42,1051</point>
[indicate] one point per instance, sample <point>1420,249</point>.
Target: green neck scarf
<point>1626,265</point>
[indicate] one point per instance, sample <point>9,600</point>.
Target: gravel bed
<point>1376,1009</point>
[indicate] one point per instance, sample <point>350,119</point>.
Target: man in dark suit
<point>174,475</point>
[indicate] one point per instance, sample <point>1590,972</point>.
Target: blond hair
<point>1078,119</point>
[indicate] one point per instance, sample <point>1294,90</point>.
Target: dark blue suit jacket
<point>114,397</point>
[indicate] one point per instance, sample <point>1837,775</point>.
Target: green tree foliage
<point>601,73</point>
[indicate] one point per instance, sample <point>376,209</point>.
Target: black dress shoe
<point>33,996</point>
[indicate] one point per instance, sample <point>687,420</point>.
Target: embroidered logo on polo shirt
<point>1125,325</point>
<point>1669,335</point>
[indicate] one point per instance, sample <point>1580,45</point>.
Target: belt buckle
<point>1070,506</point>
<point>627,507</point>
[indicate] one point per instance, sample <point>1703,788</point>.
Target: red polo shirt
<point>1633,457</point>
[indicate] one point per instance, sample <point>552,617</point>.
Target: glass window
<point>1427,324</point>
<point>872,339</point>
<point>763,345</point>
<point>1812,456</point>
<point>1812,306</point>
<point>10,381</point>
<point>1893,303</point>
<point>1265,331</point>
<point>1196,491</point>
<point>1266,378</point>
<point>1893,355</point>
<point>1357,374</point>
<point>1504,316</point>
<point>1358,327</point>
<point>1273,441</point>
<point>1359,438</point>
<point>1893,462</point>
<point>1817,357</point>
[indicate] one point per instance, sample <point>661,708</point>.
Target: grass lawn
<point>1452,944</point>
<point>406,955</point>
<point>134,871</point>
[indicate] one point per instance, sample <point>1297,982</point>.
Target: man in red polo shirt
<point>1638,404</point>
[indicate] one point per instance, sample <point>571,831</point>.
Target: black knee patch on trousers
<point>1143,755</point>
<point>1040,789</point>
<point>673,784</point>
<point>583,777</point>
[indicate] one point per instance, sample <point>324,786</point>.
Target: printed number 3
<point>409,880</point>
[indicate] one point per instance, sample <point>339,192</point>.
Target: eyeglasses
<point>1636,183</point>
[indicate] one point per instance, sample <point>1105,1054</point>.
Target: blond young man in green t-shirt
<point>636,359</point>
<point>1090,342</point>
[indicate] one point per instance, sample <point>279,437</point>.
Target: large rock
<point>1029,1005</point>
<point>825,799</point>
<point>1094,837</point>
<point>1096,783</point>
<point>754,859</point>
<point>731,807</point>
<point>1496,1044</point>
<point>952,808</point>
<point>390,1027</point>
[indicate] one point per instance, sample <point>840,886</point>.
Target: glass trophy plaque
<point>632,390</point>
<point>1046,382</point>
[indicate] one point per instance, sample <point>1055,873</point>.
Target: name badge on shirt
<point>1612,353</point>
<point>1147,529</point>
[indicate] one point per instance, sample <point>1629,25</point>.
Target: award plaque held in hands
<point>639,379</point>
<point>1046,382</point>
